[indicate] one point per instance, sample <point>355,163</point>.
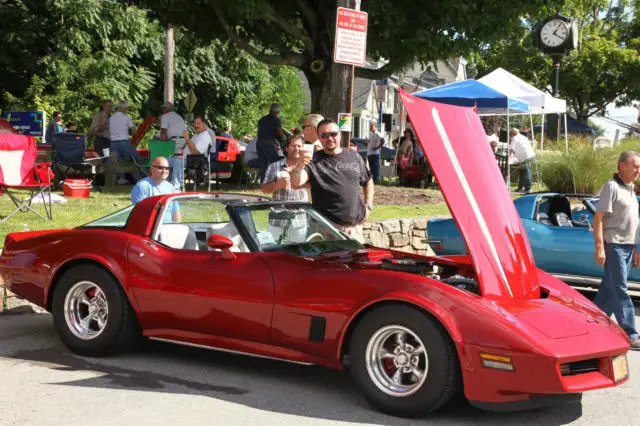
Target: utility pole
<point>169,50</point>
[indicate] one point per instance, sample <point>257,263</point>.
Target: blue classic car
<point>559,228</point>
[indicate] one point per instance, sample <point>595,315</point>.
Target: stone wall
<point>408,235</point>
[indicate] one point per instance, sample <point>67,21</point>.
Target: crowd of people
<point>315,167</point>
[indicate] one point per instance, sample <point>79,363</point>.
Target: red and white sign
<point>351,37</point>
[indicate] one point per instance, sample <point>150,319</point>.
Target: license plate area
<point>620,368</point>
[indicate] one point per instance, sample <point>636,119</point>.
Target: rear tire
<point>404,362</point>
<point>92,314</point>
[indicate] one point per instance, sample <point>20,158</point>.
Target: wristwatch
<point>370,206</point>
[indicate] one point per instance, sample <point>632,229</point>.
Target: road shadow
<point>273,386</point>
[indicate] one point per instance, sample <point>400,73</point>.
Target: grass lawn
<point>77,211</point>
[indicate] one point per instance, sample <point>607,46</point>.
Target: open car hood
<point>461,158</point>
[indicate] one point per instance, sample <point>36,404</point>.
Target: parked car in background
<point>560,230</point>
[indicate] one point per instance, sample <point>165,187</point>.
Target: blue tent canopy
<point>472,93</point>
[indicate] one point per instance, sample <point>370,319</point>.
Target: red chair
<point>18,170</point>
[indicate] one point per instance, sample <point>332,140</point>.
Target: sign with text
<point>351,37</point>
<point>345,121</point>
<point>26,123</point>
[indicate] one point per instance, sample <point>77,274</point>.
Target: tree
<point>68,55</point>
<point>300,33</point>
<point>603,70</point>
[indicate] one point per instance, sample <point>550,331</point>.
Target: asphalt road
<point>42,383</point>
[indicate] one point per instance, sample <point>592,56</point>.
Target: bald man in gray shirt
<point>615,230</point>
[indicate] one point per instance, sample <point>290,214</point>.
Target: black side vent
<point>317,329</point>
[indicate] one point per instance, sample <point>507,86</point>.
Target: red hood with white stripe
<point>461,158</point>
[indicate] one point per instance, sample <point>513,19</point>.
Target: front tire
<point>91,313</point>
<point>403,361</point>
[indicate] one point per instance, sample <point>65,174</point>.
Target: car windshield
<point>293,228</point>
<point>114,220</point>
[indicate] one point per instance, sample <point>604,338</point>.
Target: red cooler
<point>77,188</point>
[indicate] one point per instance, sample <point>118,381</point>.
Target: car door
<point>197,290</point>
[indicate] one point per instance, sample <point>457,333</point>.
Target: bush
<point>582,170</point>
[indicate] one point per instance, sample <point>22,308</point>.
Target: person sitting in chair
<point>157,184</point>
<point>199,145</point>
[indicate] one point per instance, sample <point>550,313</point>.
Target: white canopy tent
<point>539,101</point>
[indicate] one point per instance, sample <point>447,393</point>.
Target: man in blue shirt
<point>157,184</point>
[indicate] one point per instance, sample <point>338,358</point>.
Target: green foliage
<point>604,69</point>
<point>273,84</point>
<point>581,170</point>
<point>300,33</point>
<point>89,50</point>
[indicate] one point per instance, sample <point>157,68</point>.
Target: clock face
<point>554,33</point>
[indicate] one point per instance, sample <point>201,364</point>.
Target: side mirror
<point>224,244</point>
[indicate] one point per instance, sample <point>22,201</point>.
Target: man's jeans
<point>374,166</point>
<point>100,144</point>
<point>525,180</point>
<point>612,297</point>
<point>177,172</point>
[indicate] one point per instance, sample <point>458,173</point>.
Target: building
<point>373,99</point>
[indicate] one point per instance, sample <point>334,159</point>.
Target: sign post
<point>190,103</point>
<point>350,48</point>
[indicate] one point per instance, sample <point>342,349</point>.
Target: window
<point>114,220</point>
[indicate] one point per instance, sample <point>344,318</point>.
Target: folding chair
<point>157,149</point>
<point>69,159</point>
<point>200,165</point>
<point>19,171</point>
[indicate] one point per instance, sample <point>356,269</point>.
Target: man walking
<point>525,154</point>
<point>277,181</point>
<point>336,175</point>
<point>269,132</point>
<point>615,230</point>
<point>375,142</point>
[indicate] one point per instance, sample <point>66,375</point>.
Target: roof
<point>361,91</point>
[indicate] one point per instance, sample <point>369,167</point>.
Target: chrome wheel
<point>396,361</point>
<point>86,310</point>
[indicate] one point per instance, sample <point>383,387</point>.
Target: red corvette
<point>249,275</point>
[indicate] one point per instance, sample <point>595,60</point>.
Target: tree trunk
<point>169,50</point>
<point>330,90</point>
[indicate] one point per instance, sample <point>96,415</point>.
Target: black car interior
<point>558,213</point>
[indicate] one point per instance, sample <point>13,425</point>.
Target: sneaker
<point>635,343</point>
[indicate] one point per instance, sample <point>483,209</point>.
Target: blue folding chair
<point>68,159</point>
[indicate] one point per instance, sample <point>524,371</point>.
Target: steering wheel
<point>314,235</point>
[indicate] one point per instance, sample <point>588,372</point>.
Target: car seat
<point>178,236</point>
<point>560,211</point>
<point>543,218</point>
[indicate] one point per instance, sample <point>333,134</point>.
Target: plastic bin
<point>77,188</point>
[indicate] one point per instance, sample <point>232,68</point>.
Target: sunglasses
<point>160,167</point>
<point>326,135</point>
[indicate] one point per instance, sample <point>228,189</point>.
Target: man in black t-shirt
<point>336,176</point>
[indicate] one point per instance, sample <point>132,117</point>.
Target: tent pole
<point>533,133</point>
<point>566,136</point>
<point>543,132</point>
<point>508,150</point>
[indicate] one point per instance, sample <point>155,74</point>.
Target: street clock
<point>558,35</point>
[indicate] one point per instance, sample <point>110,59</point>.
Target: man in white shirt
<point>525,154</point>
<point>196,146</point>
<point>173,127</point>
<point>120,127</point>
<point>375,141</point>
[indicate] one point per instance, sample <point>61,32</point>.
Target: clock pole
<point>556,76</point>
